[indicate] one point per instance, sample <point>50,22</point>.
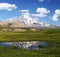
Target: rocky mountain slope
<point>23,21</point>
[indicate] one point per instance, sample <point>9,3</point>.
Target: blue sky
<point>47,11</point>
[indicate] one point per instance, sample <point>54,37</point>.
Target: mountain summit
<point>26,21</point>
<point>32,22</point>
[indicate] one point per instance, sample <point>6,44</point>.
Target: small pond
<point>25,44</point>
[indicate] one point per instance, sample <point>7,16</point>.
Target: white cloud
<point>11,19</point>
<point>56,15</point>
<point>38,15</point>
<point>41,12</point>
<point>7,6</point>
<point>41,0</point>
<point>25,14</point>
<point>24,10</point>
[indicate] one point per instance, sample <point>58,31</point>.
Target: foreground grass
<point>9,52</point>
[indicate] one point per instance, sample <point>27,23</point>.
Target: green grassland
<point>44,35</point>
<point>10,52</point>
<point>50,35</point>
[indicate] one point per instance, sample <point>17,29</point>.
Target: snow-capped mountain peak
<point>27,21</point>
<point>32,22</point>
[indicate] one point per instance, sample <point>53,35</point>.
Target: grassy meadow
<point>50,35</point>
<point>9,52</point>
<point>44,35</point>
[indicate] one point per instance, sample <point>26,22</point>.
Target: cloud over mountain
<point>26,10</point>
<point>27,17</point>
<point>41,12</point>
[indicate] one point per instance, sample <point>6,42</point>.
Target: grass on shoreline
<point>8,52</point>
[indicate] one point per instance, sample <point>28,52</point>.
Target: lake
<point>25,44</point>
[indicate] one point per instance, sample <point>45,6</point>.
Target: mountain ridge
<point>23,21</point>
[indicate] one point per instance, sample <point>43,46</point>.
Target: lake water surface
<point>25,44</point>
